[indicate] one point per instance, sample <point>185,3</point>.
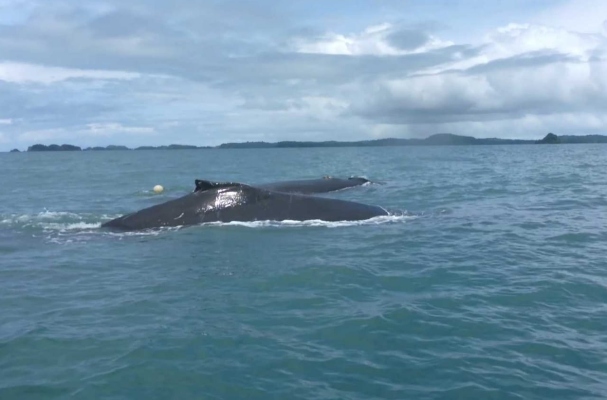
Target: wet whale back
<point>311,186</point>
<point>225,202</point>
<point>193,208</point>
<point>263,205</point>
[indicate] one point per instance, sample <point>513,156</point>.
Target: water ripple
<point>491,286</point>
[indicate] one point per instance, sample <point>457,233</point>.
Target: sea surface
<point>488,282</point>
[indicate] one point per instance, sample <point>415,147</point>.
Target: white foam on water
<point>42,216</point>
<point>264,224</point>
<point>65,227</point>
<point>54,221</point>
<point>146,232</point>
<point>76,226</point>
<point>314,222</point>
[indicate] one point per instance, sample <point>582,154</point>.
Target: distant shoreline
<point>440,139</point>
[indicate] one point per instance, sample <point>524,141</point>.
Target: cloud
<point>521,70</point>
<point>153,72</point>
<point>382,39</point>
<point>83,134</point>
<point>113,128</point>
<point>489,93</point>
<point>408,39</point>
<point>30,73</point>
<point>585,16</point>
<point>44,135</point>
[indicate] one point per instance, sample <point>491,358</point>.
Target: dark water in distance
<point>493,285</point>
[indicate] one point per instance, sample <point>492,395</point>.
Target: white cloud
<point>235,75</point>
<point>522,70</point>
<point>31,73</point>
<point>516,39</point>
<point>587,16</point>
<point>77,133</point>
<point>374,41</point>
<point>569,84</point>
<point>43,135</point>
<point>524,73</point>
<point>524,39</point>
<point>113,128</point>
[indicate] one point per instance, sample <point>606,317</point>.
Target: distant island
<point>53,147</point>
<point>69,147</point>
<point>440,139</point>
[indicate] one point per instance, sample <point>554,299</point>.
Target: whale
<point>239,202</point>
<point>314,186</point>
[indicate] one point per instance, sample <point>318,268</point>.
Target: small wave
<point>61,227</point>
<point>42,216</point>
<point>262,224</point>
<point>72,226</point>
<point>314,222</point>
<point>66,227</point>
<point>54,221</point>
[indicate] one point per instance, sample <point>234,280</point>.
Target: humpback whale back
<point>232,201</point>
<point>310,186</point>
<point>202,185</point>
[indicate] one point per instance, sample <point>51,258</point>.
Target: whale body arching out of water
<point>234,201</point>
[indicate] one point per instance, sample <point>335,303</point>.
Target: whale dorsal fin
<point>202,185</point>
<point>358,178</point>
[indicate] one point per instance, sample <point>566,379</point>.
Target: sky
<point>152,72</point>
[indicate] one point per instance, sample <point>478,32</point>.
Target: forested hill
<point>441,139</point>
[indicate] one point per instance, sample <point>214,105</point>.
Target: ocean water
<point>490,282</point>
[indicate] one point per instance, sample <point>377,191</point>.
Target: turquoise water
<point>491,284</point>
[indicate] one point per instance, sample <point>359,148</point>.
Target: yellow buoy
<point>158,189</point>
